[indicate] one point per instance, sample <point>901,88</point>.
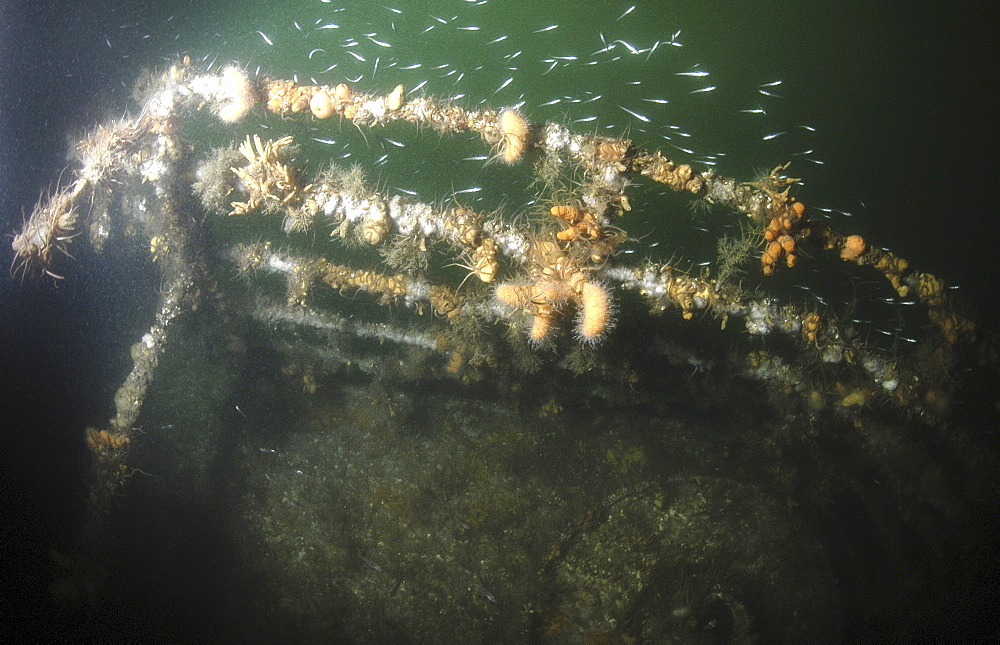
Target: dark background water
<point>902,99</point>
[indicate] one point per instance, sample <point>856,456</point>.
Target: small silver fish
<point>644,119</point>
<point>504,84</point>
<point>627,12</point>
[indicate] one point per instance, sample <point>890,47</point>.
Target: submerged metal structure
<point>336,268</point>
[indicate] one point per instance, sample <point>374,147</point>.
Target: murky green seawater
<point>286,490</point>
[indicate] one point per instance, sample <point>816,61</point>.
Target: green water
<point>896,95</point>
<point>381,504</point>
<point>858,84</point>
